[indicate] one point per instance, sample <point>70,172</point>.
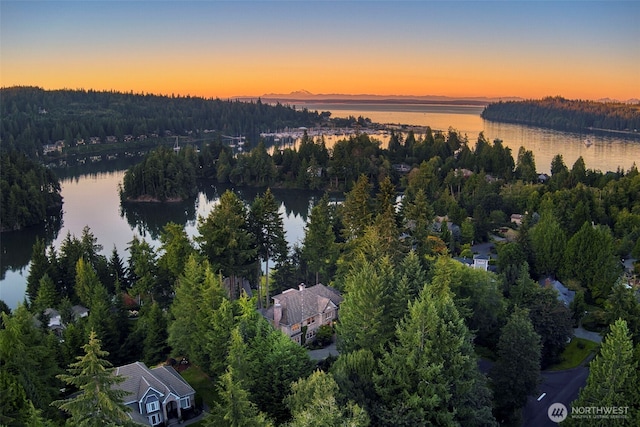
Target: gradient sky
<point>575,49</point>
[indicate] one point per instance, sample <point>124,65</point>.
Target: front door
<point>172,409</point>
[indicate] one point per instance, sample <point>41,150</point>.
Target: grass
<point>574,354</point>
<point>202,384</point>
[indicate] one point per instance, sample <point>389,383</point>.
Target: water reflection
<point>16,246</point>
<point>148,219</point>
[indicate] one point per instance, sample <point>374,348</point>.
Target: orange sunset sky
<point>575,49</point>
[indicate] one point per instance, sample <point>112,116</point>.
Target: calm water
<point>608,152</point>
<point>92,199</point>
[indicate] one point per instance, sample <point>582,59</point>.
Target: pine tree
<point>99,403</point>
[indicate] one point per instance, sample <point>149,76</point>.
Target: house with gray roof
<point>565,295</point>
<point>304,310</point>
<point>155,396</point>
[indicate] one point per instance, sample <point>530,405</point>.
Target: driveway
<point>323,353</point>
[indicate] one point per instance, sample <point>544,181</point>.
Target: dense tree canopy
<point>29,191</point>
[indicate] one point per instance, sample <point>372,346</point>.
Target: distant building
<point>565,295</point>
<point>304,310</point>
<point>517,219</point>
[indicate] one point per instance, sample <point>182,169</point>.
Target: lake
<point>91,199</point>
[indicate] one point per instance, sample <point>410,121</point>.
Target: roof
<point>564,294</point>
<point>299,304</point>
<point>139,379</point>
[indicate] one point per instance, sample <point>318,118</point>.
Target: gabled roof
<point>139,379</point>
<point>300,304</point>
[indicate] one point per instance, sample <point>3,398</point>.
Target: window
<point>153,406</point>
<point>328,315</point>
<point>185,402</point>
<point>154,419</point>
<point>296,327</point>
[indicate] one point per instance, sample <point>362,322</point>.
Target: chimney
<point>277,314</point>
<point>301,286</point>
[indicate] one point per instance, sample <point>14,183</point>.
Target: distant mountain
<point>306,96</point>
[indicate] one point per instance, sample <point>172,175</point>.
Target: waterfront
<point>91,199</point>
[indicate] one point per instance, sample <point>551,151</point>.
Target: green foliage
<point>163,175</point>
<point>590,258</point>
<point>613,377</point>
<point>98,403</point>
<point>313,404</point>
<point>320,250</point>
<point>29,191</point>
<point>564,114</point>
<point>226,240</point>
<point>234,408</point>
<point>431,376</point>
<point>28,359</point>
<point>364,320</point>
<point>516,373</point>
<point>548,241</point>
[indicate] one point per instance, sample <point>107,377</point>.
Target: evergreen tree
<point>356,210</point>
<point>37,268</point>
<point>268,230</point>
<point>516,373</point>
<point>431,375</point>
<point>175,249</point>
<point>86,282</point>
<point>234,408</point>
<point>28,358</point>
<point>319,249</point>
<point>548,242</point>
<point>182,322</point>
<point>225,239</point>
<point>47,296</point>
<point>613,379</point>
<point>99,403</point>
<point>154,324</point>
<point>364,318</point>
<point>313,404</point>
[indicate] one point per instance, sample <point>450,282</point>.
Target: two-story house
<point>304,310</point>
<point>155,395</point>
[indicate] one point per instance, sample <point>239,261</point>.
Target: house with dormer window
<point>156,396</point>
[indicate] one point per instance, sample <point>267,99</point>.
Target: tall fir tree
<point>319,249</point>
<point>613,379</point>
<point>98,402</point>
<point>516,373</point>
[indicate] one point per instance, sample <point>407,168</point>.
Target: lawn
<point>202,384</point>
<point>574,354</point>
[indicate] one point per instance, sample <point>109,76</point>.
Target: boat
<point>588,142</point>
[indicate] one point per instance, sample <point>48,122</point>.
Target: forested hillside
<point>29,191</point>
<point>568,115</point>
<point>33,117</point>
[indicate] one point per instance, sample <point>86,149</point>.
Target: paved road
<point>560,387</point>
